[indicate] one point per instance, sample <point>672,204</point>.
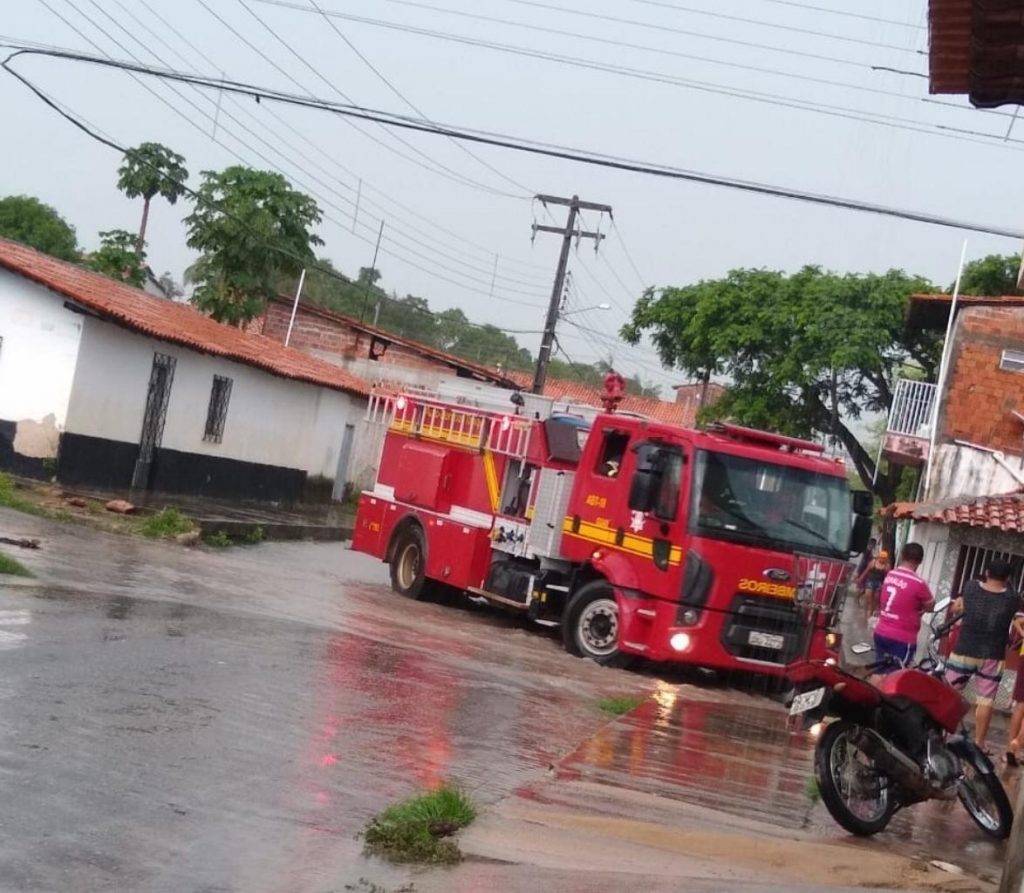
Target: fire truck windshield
<point>774,506</point>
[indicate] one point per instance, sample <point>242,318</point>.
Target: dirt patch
<point>691,843</point>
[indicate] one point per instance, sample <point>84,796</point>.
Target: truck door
<point>629,497</point>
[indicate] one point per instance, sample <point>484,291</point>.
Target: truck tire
<point>590,625</point>
<point>409,563</point>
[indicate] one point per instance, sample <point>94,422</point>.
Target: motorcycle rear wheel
<point>983,796</point>
<point>844,772</point>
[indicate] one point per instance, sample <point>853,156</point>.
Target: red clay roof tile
<point>1003,512</point>
<point>170,321</point>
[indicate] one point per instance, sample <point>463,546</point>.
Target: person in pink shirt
<point>903,599</point>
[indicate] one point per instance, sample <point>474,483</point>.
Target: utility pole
<point>575,206</point>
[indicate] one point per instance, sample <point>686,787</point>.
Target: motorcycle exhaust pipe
<point>901,768</point>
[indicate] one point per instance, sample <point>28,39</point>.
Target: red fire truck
<point>637,538</point>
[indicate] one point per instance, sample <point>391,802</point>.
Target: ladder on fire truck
<point>421,414</point>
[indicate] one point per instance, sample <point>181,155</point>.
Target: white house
<point>117,389</point>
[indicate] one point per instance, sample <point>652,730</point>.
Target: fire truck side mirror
<point>863,502</point>
<point>860,534</point>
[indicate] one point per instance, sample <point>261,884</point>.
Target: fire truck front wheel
<point>408,563</point>
<point>590,625</point>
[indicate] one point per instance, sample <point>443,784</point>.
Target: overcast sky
<point>441,236</point>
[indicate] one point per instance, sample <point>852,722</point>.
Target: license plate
<point>766,640</point>
<point>807,701</point>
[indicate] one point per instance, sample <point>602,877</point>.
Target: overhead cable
<point>521,145</point>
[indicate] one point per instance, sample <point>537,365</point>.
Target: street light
<point>604,306</point>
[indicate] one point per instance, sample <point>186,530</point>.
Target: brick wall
<point>980,397</point>
<point>334,341</point>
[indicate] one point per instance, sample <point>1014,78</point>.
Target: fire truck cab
<point>726,548</point>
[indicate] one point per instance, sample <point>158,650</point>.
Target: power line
<point>747,44</point>
<point>898,122</point>
<point>843,12</point>
<point>663,4</point>
<point>476,282</point>
<point>462,240</point>
<point>96,134</point>
<point>404,243</point>
<point>391,86</point>
<point>644,282</point>
<point>523,145</point>
<point>434,166</point>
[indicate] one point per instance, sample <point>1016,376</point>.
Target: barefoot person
<point>988,608</point>
<point>905,597</point>
<point>871,580</point>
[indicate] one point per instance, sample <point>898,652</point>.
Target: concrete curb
<point>241,530</point>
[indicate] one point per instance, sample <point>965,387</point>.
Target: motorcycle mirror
<point>862,648</point>
<point>942,605</point>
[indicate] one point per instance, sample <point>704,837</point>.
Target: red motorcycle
<point>903,742</point>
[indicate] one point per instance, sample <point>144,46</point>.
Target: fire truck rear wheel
<point>590,625</point>
<point>408,564</point>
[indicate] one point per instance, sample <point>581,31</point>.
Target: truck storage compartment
<point>424,476</point>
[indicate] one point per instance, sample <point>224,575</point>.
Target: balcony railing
<point>912,406</point>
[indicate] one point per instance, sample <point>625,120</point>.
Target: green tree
<point>251,229</point>
<point>119,258</point>
<point>148,170</point>
<point>995,274</point>
<point>805,353</point>
<point>27,220</point>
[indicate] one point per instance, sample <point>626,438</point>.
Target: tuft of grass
<point>9,498</point>
<point>12,567</point>
<point>620,705</point>
<point>419,829</point>
<point>165,524</point>
<point>812,791</point>
<point>255,535</point>
<point>218,539</point>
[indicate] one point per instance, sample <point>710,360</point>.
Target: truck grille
<point>770,621</point>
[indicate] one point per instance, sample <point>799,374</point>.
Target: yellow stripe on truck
<point>602,535</point>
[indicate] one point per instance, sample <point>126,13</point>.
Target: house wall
<point>281,437</point>
<point>963,471</point>
<point>980,397</point>
<point>978,407</point>
<point>337,343</point>
<point>37,363</point>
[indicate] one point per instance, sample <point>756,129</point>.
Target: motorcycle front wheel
<point>984,798</point>
<point>856,792</point>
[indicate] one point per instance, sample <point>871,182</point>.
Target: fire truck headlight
<point>691,616</point>
<point>831,640</point>
<point>680,641</point>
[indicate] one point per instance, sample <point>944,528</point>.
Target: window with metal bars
<point>217,412</point>
<point>972,561</point>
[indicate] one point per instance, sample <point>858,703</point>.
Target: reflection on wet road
<point>187,720</point>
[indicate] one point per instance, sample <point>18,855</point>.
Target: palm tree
<point>151,169</point>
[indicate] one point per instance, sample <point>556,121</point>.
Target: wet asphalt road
<point>192,720</point>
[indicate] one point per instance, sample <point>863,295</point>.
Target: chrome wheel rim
<point>598,627</point>
<point>409,566</point>
<point>863,789</point>
<point>978,799</point>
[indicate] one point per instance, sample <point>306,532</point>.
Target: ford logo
<point>777,574</point>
